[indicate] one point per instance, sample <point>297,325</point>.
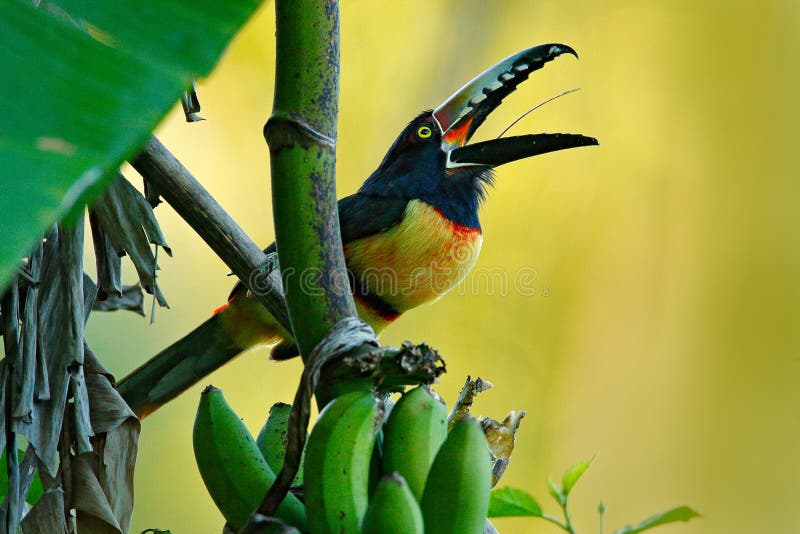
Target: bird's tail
<point>185,362</point>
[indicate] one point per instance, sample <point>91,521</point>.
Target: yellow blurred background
<point>663,331</point>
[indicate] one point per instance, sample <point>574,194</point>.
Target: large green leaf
<point>84,82</point>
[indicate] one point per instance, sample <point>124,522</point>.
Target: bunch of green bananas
<point>417,477</point>
<point>233,468</point>
<point>431,480</point>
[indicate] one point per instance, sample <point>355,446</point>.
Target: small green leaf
<point>36,490</point>
<point>507,502</point>
<point>681,513</point>
<point>573,474</point>
<point>555,492</point>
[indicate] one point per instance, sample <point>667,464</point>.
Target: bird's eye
<point>424,132</point>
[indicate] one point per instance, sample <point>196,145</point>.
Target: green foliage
<point>573,474</point>
<point>83,85</point>
<point>555,492</point>
<point>681,513</point>
<point>509,502</point>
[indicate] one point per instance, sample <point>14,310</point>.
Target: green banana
<point>233,469</point>
<point>393,509</point>
<point>456,497</point>
<point>413,434</point>
<point>337,463</point>
<point>375,462</point>
<point>271,439</point>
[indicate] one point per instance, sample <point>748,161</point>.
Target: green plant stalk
<point>566,525</point>
<point>601,510</point>
<point>557,521</point>
<point>301,134</point>
<point>567,518</point>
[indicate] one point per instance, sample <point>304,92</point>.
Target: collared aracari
<point>411,232</point>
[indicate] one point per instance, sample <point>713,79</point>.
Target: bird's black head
<point>431,161</point>
<point>415,167</point>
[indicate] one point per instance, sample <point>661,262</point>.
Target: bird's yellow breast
<point>415,261</point>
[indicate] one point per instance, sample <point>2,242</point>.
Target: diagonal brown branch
<point>169,178</point>
<point>218,229</point>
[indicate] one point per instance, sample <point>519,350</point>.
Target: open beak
<point>460,115</point>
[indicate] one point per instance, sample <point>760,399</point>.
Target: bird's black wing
<point>360,215</point>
